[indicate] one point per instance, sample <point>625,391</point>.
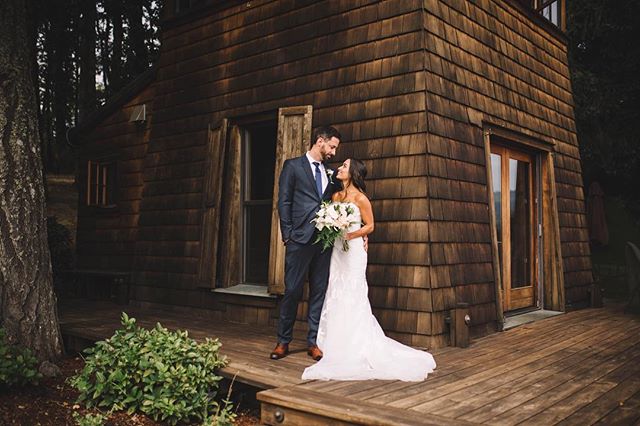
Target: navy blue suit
<point>298,203</point>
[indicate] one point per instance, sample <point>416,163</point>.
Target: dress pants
<point>302,260</point>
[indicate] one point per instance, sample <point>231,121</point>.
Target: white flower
<point>332,222</point>
<point>333,213</point>
<point>329,174</point>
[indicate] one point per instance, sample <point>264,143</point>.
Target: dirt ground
<point>53,402</point>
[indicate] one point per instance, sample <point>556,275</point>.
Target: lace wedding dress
<point>353,343</point>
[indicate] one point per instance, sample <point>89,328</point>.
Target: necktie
<point>318,178</point>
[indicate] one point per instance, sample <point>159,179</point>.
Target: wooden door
<point>513,176</point>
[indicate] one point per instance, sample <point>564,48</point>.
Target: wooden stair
<point>293,405</point>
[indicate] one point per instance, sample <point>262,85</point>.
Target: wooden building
<point>461,110</point>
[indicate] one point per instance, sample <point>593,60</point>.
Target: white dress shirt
<point>323,171</point>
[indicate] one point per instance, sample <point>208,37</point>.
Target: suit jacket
<point>298,199</point>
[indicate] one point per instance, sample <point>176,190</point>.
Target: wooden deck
<point>579,368</point>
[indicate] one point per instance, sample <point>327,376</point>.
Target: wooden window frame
<point>230,240</point>
<point>102,193</point>
<point>246,142</point>
<point>528,8</point>
<point>220,259</point>
<point>540,6</point>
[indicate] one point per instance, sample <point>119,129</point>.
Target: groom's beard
<point>326,156</point>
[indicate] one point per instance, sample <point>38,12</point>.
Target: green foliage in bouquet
<point>164,374</point>
<point>327,237</point>
<point>332,222</point>
<point>18,366</point>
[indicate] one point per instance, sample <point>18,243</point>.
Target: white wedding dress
<point>353,343</point>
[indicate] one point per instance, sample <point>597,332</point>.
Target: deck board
<point>526,403</point>
<point>626,413</point>
<point>530,377</point>
<point>579,368</point>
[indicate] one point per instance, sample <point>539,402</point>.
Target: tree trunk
<point>114,11</point>
<point>27,302</point>
<point>104,47</point>
<point>47,101</point>
<point>60,82</point>
<point>138,55</point>
<point>87,54</point>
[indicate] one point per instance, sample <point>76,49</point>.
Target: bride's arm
<point>366,212</point>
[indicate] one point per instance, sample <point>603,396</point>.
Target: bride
<point>353,343</point>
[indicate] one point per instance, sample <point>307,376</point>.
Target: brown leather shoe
<point>315,353</point>
<point>281,350</point>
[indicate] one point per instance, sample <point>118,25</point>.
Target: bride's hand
<point>365,239</point>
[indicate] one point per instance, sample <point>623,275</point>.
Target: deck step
<point>292,405</point>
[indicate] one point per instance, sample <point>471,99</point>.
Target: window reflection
<point>520,215</point>
<point>496,177</point>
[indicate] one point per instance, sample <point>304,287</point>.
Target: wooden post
<point>554,291</point>
<point>497,272</point>
<point>460,321</point>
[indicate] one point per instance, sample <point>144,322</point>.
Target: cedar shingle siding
<point>407,83</point>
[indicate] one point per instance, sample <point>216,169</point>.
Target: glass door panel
<point>520,215</point>
<point>513,191</point>
<point>496,177</point>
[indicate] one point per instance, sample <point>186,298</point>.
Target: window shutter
<point>212,191</point>
<point>294,139</point>
<point>230,222</point>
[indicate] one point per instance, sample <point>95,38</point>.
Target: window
<point>241,241</point>
<point>258,158</point>
<point>101,181</point>
<point>552,10</point>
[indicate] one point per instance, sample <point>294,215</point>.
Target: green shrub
<point>89,419</point>
<point>164,374</point>
<point>18,366</point>
<point>223,415</point>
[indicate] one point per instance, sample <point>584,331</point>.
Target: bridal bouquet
<point>332,221</point>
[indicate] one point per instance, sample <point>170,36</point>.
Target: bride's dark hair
<point>358,171</point>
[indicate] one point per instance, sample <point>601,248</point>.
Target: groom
<point>304,184</point>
